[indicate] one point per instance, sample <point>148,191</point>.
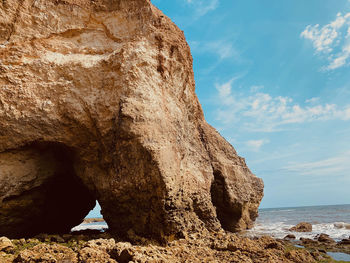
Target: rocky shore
<point>93,220</point>
<point>93,246</point>
<point>98,102</point>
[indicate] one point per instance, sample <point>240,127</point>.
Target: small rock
<point>289,236</point>
<point>93,255</point>
<point>6,244</point>
<point>309,242</point>
<point>342,225</point>
<point>345,242</point>
<point>33,241</point>
<point>274,245</point>
<point>324,238</point>
<point>47,253</point>
<point>300,256</point>
<point>122,252</point>
<point>302,227</point>
<point>101,244</point>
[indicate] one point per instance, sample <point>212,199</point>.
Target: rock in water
<point>97,101</point>
<point>302,227</point>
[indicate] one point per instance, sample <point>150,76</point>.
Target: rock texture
<point>218,247</point>
<point>97,101</point>
<point>302,227</point>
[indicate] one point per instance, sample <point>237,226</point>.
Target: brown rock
<point>101,244</point>
<point>97,101</point>
<point>37,191</point>
<point>198,247</point>
<point>302,227</point>
<point>289,236</point>
<point>124,256</point>
<point>47,253</point>
<point>5,244</point>
<point>300,256</point>
<point>324,238</point>
<point>93,255</point>
<point>309,242</point>
<point>345,242</point>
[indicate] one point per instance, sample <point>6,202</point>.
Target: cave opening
<point>52,198</point>
<point>227,212</point>
<point>93,221</point>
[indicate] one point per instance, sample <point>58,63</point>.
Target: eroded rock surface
<point>302,227</point>
<point>97,101</point>
<point>218,247</point>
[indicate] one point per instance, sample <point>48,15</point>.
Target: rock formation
<point>97,102</point>
<point>302,227</point>
<point>197,248</point>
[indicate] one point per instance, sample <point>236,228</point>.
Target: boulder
<point>324,238</point>
<point>345,241</point>
<point>289,236</point>
<point>309,242</point>
<point>302,227</point>
<point>93,255</point>
<point>101,244</point>
<point>299,256</point>
<point>342,225</point>
<point>5,244</point>
<point>98,102</point>
<point>47,253</point>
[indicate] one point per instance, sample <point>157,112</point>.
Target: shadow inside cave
<point>50,197</point>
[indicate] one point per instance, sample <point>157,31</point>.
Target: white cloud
<point>341,58</point>
<point>202,7</point>
<point>336,165</point>
<point>332,40</point>
<point>264,112</point>
<point>256,145</point>
<point>223,49</point>
<point>314,99</point>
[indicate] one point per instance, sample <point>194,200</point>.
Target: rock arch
<point>112,81</point>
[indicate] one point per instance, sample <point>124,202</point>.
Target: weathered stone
<point>5,244</point>
<point>289,236</point>
<point>300,256</point>
<point>325,238</point>
<point>198,247</point>
<point>47,253</point>
<point>38,192</point>
<point>309,242</point>
<point>101,244</point>
<point>97,101</point>
<point>302,227</point>
<point>94,255</point>
<point>345,242</point>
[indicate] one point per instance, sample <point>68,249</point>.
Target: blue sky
<point>273,78</point>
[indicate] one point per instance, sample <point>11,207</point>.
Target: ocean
<point>333,220</point>
<point>92,226</point>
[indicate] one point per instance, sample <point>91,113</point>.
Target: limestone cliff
<point>97,101</point>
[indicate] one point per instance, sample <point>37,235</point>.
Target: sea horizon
<point>282,207</point>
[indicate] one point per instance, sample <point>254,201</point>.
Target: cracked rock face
<point>97,101</point>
